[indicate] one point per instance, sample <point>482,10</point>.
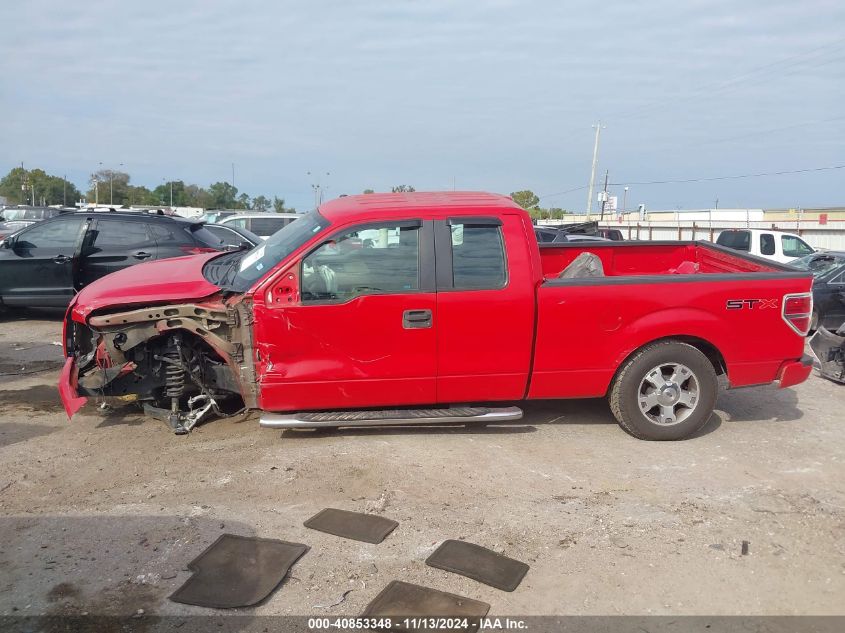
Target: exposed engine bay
<point>182,363</point>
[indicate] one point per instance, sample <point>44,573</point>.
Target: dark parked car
<point>234,237</point>
<point>610,234</point>
<point>546,236</point>
<point>828,270</point>
<point>45,264</point>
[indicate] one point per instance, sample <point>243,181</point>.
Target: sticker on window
<point>250,259</point>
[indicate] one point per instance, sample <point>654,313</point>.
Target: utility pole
<point>604,197</point>
<point>23,185</point>
<point>97,186</point>
<point>233,175</point>
<point>598,127</point>
<point>624,199</point>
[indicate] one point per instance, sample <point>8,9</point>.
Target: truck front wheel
<point>665,391</point>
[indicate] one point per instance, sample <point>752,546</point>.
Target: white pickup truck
<point>774,245</point>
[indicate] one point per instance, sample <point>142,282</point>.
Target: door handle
<point>61,259</point>
<point>142,255</point>
<point>416,319</point>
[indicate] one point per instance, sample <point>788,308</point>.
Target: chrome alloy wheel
<point>668,394</point>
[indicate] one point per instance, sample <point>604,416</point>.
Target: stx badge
<point>751,304</point>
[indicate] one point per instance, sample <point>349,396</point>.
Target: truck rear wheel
<point>665,391</point>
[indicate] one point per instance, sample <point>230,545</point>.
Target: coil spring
<point>174,375</point>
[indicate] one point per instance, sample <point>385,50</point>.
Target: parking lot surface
<point>102,515</point>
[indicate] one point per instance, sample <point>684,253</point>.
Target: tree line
<point>114,188</point>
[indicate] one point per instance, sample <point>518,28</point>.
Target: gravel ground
<point>102,515</point>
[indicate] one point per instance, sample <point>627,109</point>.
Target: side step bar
<point>324,419</point>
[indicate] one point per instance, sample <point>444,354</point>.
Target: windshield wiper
<point>231,272</point>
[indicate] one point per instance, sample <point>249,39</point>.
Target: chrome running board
<point>323,419</point>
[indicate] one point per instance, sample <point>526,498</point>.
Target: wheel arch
<point>702,345</point>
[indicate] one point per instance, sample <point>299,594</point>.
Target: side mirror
<point>6,243</point>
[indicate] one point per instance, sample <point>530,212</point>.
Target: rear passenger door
<point>114,244</point>
<point>485,309</point>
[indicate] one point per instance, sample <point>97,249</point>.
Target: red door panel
<point>484,336</point>
<point>353,324</point>
<point>356,354</point>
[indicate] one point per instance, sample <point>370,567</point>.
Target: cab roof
<point>374,205</point>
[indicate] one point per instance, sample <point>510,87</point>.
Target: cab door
<point>360,331</point>
<point>39,267</point>
<point>485,309</point>
<point>115,243</point>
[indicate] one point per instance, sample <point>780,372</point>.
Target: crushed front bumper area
<point>181,364</point>
<point>68,388</point>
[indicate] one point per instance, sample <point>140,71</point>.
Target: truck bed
<point>626,259</point>
<point>587,325</point>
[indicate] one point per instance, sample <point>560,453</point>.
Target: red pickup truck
<point>436,307</point>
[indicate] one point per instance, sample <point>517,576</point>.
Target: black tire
<point>632,391</point>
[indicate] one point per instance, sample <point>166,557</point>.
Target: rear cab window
<point>737,240</point>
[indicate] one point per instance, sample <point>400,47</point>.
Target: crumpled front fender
<point>71,399</point>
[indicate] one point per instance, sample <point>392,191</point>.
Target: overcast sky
<point>496,96</point>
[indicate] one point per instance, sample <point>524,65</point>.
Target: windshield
<point>818,264</point>
<point>282,243</point>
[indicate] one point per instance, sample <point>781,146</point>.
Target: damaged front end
<point>829,348</point>
<point>183,363</point>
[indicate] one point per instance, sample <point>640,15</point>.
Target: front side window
<point>50,235</point>
<point>478,256</point>
<point>376,259</point>
<point>794,247</point>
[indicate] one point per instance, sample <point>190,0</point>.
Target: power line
<point>562,193</point>
<point>690,180</point>
<point>760,175</point>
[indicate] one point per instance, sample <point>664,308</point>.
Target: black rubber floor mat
<point>401,600</point>
<point>369,528</point>
<point>237,571</point>
<point>478,563</point>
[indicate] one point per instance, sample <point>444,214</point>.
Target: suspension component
<point>174,375</point>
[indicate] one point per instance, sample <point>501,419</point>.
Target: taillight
<point>798,311</point>
<point>196,250</point>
